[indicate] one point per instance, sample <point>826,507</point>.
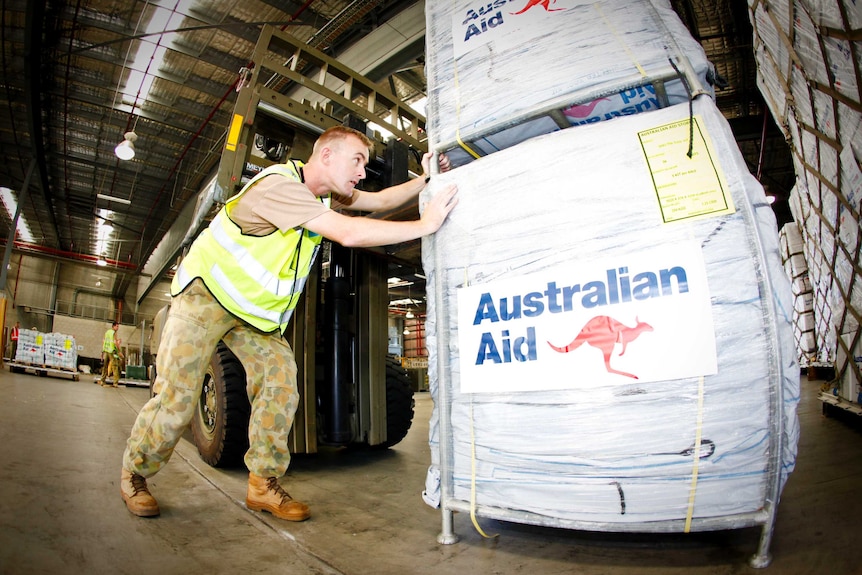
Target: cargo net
<point>809,60</point>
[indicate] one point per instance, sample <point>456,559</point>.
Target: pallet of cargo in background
<point>830,400</point>
<point>807,56</point>
<point>41,370</point>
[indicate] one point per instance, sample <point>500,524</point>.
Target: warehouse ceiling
<point>77,76</point>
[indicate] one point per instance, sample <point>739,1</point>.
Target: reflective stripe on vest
<point>257,278</point>
<point>108,341</point>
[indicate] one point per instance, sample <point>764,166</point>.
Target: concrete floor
<point>61,443</point>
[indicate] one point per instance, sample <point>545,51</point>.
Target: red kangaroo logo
<point>603,332</point>
<point>583,110</point>
<point>543,3</point>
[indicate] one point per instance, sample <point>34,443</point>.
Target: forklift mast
<point>339,330</point>
<point>266,111</point>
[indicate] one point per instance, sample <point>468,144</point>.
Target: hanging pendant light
<point>125,150</point>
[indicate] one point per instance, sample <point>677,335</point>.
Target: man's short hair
<point>337,133</point>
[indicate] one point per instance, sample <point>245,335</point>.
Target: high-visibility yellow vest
<point>257,278</point>
<point>108,342</point>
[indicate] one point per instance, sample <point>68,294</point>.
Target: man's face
<point>347,163</point>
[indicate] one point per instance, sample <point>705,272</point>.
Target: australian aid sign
<point>508,23</point>
<point>641,318</point>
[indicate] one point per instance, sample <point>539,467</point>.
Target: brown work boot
<point>134,490</point>
<point>265,494</point>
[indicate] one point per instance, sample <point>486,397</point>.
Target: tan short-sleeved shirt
<point>274,202</point>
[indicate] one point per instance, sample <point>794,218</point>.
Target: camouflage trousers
<point>195,324</point>
<point>110,366</point>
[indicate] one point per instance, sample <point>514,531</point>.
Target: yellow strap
<point>473,478</point>
<point>610,26</point>
<point>468,149</point>
<point>473,457</point>
<point>697,438</point>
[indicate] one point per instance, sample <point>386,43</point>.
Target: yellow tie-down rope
<point>473,455</point>
<point>463,144</point>
<point>697,439</point>
<point>622,43</point>
<point>698,433</point>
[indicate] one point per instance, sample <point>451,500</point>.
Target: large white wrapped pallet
<point>705,435</point>
<point>808,56</point>
<point>31,347</point>
<point>504,71</point>
<point>792,250</point>
<point>54,350</point>
<point>60,351</point>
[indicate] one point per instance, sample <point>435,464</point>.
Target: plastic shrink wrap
<point>501,72</point>
<point>31,348</point>
<point>53,350</point>
<point>793,257</point>
<point>61,351</point>
<point>559,240</point>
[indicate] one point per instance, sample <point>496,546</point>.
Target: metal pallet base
<point>41,371</point>
<point>829,399</point>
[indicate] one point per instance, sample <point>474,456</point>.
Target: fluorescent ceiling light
<point>113,199</point>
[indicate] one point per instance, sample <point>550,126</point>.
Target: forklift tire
<point>221,432</point>
<point>399,403</point>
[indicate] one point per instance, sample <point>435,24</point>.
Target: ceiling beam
<point>33,81</point>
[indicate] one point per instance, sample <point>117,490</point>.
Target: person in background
<point>13,337</point>
<point>239,284</point>
<point>111,356</point>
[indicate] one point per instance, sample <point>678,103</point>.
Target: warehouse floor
<point>61,443</point>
